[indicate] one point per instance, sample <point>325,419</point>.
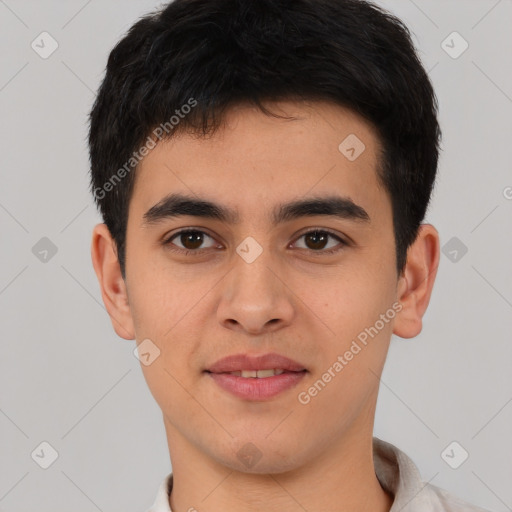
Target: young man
<point>263,169</point>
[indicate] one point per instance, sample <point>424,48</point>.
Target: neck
<point>340,479</point>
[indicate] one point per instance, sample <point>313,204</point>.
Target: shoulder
<point>400,477</point>
<point>161,503</point>
<point>443,501</point>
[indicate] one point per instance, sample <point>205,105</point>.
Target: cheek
<point>351,302</point>
<point>157,303</point>
<point>361,339</point>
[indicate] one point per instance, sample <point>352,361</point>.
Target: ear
<point>113,288</point>
<point>417,281</point>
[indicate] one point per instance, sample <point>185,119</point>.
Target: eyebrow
<point>175,205</point>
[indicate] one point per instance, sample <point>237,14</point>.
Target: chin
<point>262,457</point>
<point>262,467</point>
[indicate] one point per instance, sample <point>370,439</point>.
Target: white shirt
<point>397,474</point>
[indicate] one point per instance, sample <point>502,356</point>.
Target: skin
<point>292,300</point>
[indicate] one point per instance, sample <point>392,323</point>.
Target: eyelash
<point>188,252</point>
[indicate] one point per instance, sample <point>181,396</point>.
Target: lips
<point>256,378</point>
<point>244,362</point>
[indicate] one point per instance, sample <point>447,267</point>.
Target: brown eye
<point>190,240</point>
<point>318,240</point>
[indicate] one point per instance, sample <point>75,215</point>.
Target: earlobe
<point>417,281</point>
<point>112,285</point>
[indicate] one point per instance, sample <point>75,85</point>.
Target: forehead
<point>255,161</point>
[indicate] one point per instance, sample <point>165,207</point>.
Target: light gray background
<point>67,379</point>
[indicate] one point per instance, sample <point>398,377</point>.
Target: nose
<point>254,298</point>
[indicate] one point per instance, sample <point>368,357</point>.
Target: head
<point>274,119</point>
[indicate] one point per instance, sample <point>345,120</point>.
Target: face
<point>250,274</point>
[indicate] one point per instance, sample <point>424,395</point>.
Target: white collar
<point>396,473</point>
